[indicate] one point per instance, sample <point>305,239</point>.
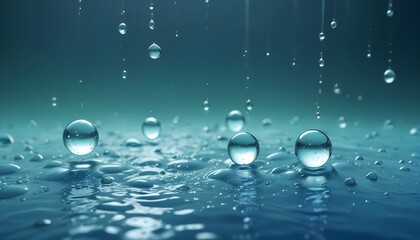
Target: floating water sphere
<point>122,28</point>
<point>80,137</point>
<point>235,121</point>
<point>152,24</point>
<point>313,148</point>
<point>389,76</point>
<point>206,105</point>
<point>249,105</point>
<point>333,24</point>
<point>151,128</point>
<point>321,36</point>
<point>243,148</point>
<point>154,51</point>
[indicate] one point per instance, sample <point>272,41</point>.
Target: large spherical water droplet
<point>152,24</point>
<point>80,137</point>
<point>321,62</point>
<point>206,105</point>
<point>249,105</point>
<point>151,128</point>
<point>122,28</point>
<point>313,148</point>
<point>243,148</point>
<point>235,121</point>
<point>321,36</point>
<point>154,51</point>
<point>390,12</point>
<point>333,24</point>
<point>389,76</point>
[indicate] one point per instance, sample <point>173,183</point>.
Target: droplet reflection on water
<point>243,148</point>
<point>235,121</point>
<point>80,137</point>
<point>313,148</point>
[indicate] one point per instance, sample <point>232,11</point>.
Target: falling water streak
<point>177,19</point>
<point>123,65</point>
<point>369,41</point>
<point>323,14</point>
<point>321,59</point>
<point>390,8</point>
<point>246,51</point>
<point>207,14</point>
<point>295,22</point>
<point>79,10</point>
<point>267,50</point>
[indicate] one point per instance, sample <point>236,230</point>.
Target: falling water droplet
<point>313,148</point>
<point>151,6</point>
<point>369,55</point>
<point>249,105</point>
<point>321,36</point>
<point>342,123</point>
<point>321,62</point>
<point>80,137</point>
<point>337,89</point>
<point>54,101</point>
<point>152,24</point>
<point>267,53</point>
<point>235,121</point>
<point>151,128</point>
<point>389,76</point>
<point>390,12</point>
<point>124,74</point>
<point>318,115</point>
<point>333,24</point>
<point>154,51</point>
<point>243,148</point>
<point>206,105</point>
<point>122,28</point>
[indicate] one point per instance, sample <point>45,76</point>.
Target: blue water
<point>184,186</point>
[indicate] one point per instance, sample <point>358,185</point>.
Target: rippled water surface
<point>184,186</point>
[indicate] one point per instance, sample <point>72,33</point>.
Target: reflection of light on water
<point>315,205</point>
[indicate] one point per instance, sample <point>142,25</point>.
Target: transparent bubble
<point>389,76</point>
<point>235,121</point>
<point>151,128</point>
<point>243,148</point>
<point>80,137</point>
<point>154,51</point>
<point>313,148</point>
<point>249,105</point>
<point>321,36</point>
<point>151,24</point>
<point>369,55</point>
<point>122,28</point>
<point>206,105</point>
<point>333,24</point>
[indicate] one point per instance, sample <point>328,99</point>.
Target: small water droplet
<point>342,123</point>
<point>235,121</point>
<point>154,51</point>
<point>321,62</point>
<point>151,128</point>
<point>389,76</point>
<point>337,89</point>
<point>390,12</point>
<point>80,137</point>
<point>249,105</point>
<point>124,74</point>
<point>333,24</point>
<point>151,6</point>
<point>372,176</point>
<point>243,148</point>
<point>122,28</point>
<point>206,105</point>
<point>369,55</point>
<point>151,24</point>
<point>313,148</point>
<point>54,101</point>
<point>388,124</point>
<point>350,182</point>
<point>321,36</point>
<point>318,115</point>
<point>267,53</point>
<point>414,131</point>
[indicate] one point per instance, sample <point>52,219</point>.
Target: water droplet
<point>369,55</point>
<point>151,128</point>
<point>333,24</point>
<point>359,158</point>
<point>313,148</point>
<point>152,24</point>
<point>80,137</point>
<point>350,182</point>
<point>151,6</point>
<point>249,105</point>
<point>267,53</point>
<point>389,76</point>
<point>321,36</point>
<point>414,131</point>
<point>321,62</point>
<point>122,28</point>
<point>235,121</point>
<point>318,115</point>
<point>372,176</point>
<point>390,12</point>
<point>342,123</point>
<point>124,74</point>
<point>154,51</point>
<point>206,105</point>
<point>266,122</point>
<point>243,148</point>
<point>388,124</point>
<point>54,101</point>
<point>337,89</point>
